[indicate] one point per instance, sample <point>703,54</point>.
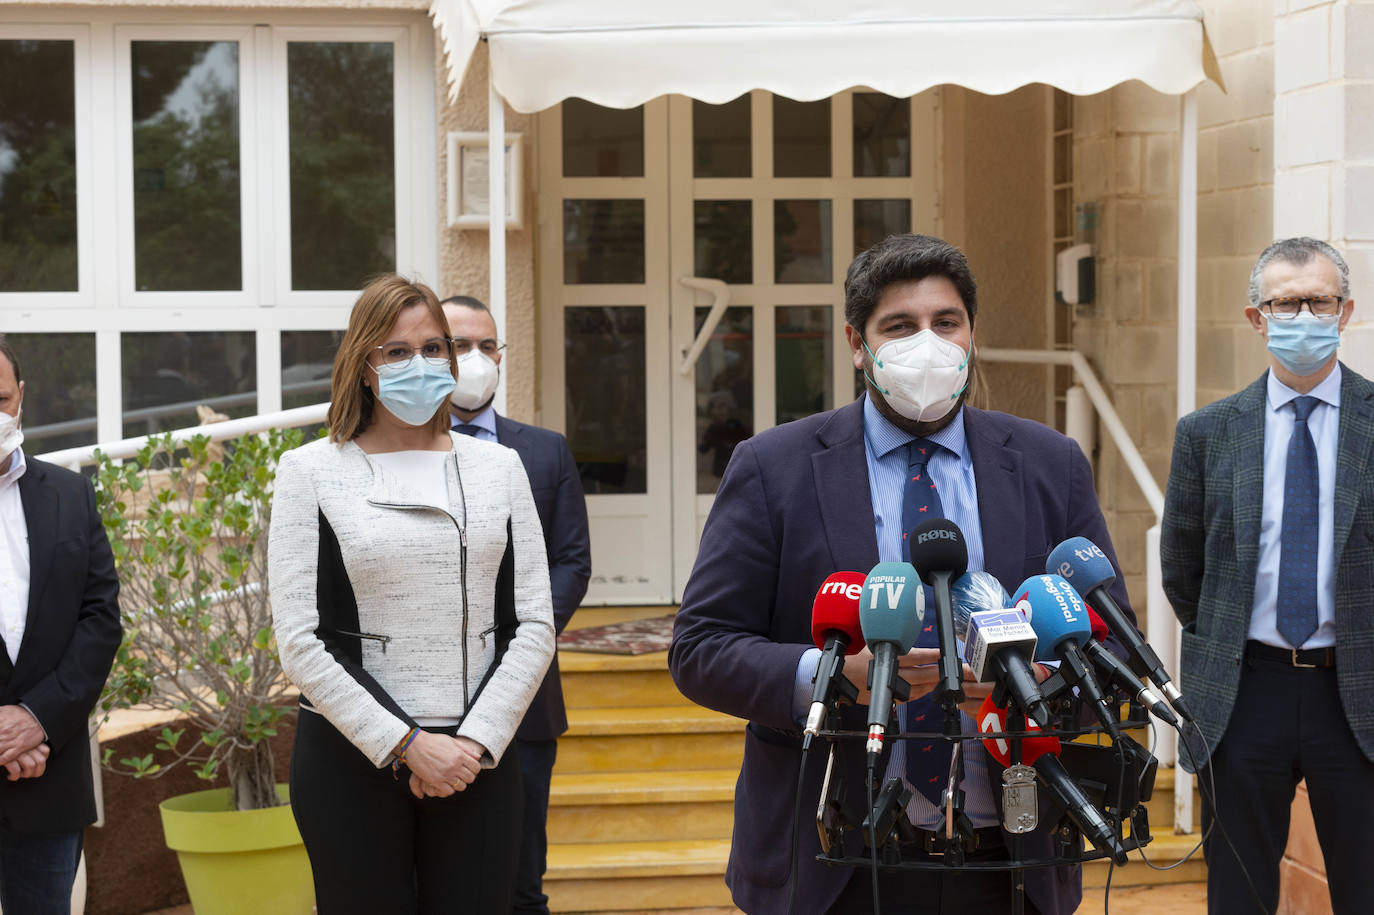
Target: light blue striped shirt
<point>1278,431</point>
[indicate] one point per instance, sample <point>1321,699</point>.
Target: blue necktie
<point>468,429</point>
<point>1297,599</point>
<point>927,761</point>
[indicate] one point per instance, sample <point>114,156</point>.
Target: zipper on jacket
<point>487,632</point>
<point>384,639</point>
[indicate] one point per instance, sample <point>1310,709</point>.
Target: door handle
<point>720,299</point>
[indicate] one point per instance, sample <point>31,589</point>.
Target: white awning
<point>621,54</point>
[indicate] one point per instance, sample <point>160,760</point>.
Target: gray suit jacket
<point>1210,550</point>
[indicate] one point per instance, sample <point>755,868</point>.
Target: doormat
<point>629,637</point>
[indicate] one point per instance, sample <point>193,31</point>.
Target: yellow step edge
<point>649,719</point>
<point>682,786</point>
<point>605,860</point>
<point>588,662</point>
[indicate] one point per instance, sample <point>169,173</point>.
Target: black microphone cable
<point>872,832</point>
<point>796,828</point>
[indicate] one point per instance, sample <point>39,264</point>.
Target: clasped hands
<point>441,766</point>
<point>920,667</point>
<point>23,754</point>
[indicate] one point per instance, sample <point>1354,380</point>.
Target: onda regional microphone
<point>890,612</point>
<point>1088,569</point>
<point>836,631</point>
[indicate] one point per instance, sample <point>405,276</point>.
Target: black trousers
<point>536,769</point>
<point>375,847</point>
<point>1287,724</point>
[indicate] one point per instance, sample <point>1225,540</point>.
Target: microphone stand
<point>1016,721</point>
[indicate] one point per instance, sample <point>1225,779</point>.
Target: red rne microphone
<point>1100,630</point>
<point>835,630</point>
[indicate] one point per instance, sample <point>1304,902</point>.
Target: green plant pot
<point>238,862</point>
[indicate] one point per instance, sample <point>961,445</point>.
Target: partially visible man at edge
<point>829,493</point>
<point>60,629</point>
<point>562,510</point>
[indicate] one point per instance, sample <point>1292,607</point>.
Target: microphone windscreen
<point>938,545</point>
<point>1100,630</point>
<point>1082,563</point>
<point>974,592</point>
<point>1055,613</point>
<point>892,606</point>
<point>836,609</point>
<point>992,718</point>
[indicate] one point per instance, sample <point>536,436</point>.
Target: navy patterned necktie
<point>1297,598</point>
<point>468,429</point>
<point>927,761</point>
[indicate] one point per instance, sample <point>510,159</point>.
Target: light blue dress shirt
<point>1324,425</point>
<point>484,421</point>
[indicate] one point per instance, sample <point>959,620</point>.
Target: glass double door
<point>691,263</point>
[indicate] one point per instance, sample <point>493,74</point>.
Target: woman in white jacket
<point>410,599</point>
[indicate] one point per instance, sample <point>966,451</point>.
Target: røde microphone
<point>1043,754</point>
<point>998,641</point>
<point>890,613</point>
<point>835,630</point>
<point>1061,625</point>
<point>1115,670</point>
<point>1089,570</point>
<point>940,556</point>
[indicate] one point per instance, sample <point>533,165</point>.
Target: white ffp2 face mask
<point>477,379</point>
<point>920,376</point>
<point>11,436</point>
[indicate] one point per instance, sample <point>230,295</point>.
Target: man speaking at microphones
<point>840,490</point>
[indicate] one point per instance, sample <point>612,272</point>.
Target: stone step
<point>637,876</point>
<point>641,806</point>
<point>617,681</point>
<point>649,738</point>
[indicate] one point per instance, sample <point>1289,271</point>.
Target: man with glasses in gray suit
<point>1268,558</point>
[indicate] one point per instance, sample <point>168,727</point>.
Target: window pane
<point>725,392</point>
<point>801,138</point>
<point>875,220</point>
<point>803,341</point>
<point>603,241</point>
<point>307,361</point>
<point>187,230</point>
<point>725,240</point>
<point>59,389</point>
<point>882,136</point>
<point>721,145</point>
<point>37,166</point>
<point>167,375</point>
<point>802,244</point>
<point>602,142</point>
<point>603,350</point>
<point>342,160</point>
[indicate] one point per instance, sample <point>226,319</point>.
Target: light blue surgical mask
<point>416,390</point>
<point>1305,343</point>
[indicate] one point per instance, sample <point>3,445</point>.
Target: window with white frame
<point>188,208</point>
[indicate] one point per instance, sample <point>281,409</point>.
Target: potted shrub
<point>188,526</point>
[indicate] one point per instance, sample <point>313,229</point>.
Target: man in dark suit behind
<point>1268,557</point>
<point>563,513</point>
<point>828,493</point>
<point>59,624</point>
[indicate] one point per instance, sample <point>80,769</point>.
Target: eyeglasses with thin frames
<point>488,346</point>
<point>397,354</point>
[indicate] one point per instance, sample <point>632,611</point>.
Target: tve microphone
<point>835,630</point>
<point>940,556</point>
<point>1043,754</point>
<point>1116,671</point>
<point>998,641</point>
<point>1061,625</point>
<point>890,613</point>
<point>1089,570</point>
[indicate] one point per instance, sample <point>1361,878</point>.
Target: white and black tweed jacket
<point>368,602</point>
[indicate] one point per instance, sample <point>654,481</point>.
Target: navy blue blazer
<point>70,639</point>
<point>562,511</point>
<point>794,506</point>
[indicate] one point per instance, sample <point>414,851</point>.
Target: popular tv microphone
<point>1089,570</point>
<point>835,630</point>
<point>1043,754</point>
<point>940,556</point>
<point>891,609</point>
<point>998,641</point>
<point>1116,671</point>
<point>1061,626</point>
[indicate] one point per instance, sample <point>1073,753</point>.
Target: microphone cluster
<point>1003,635</point>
